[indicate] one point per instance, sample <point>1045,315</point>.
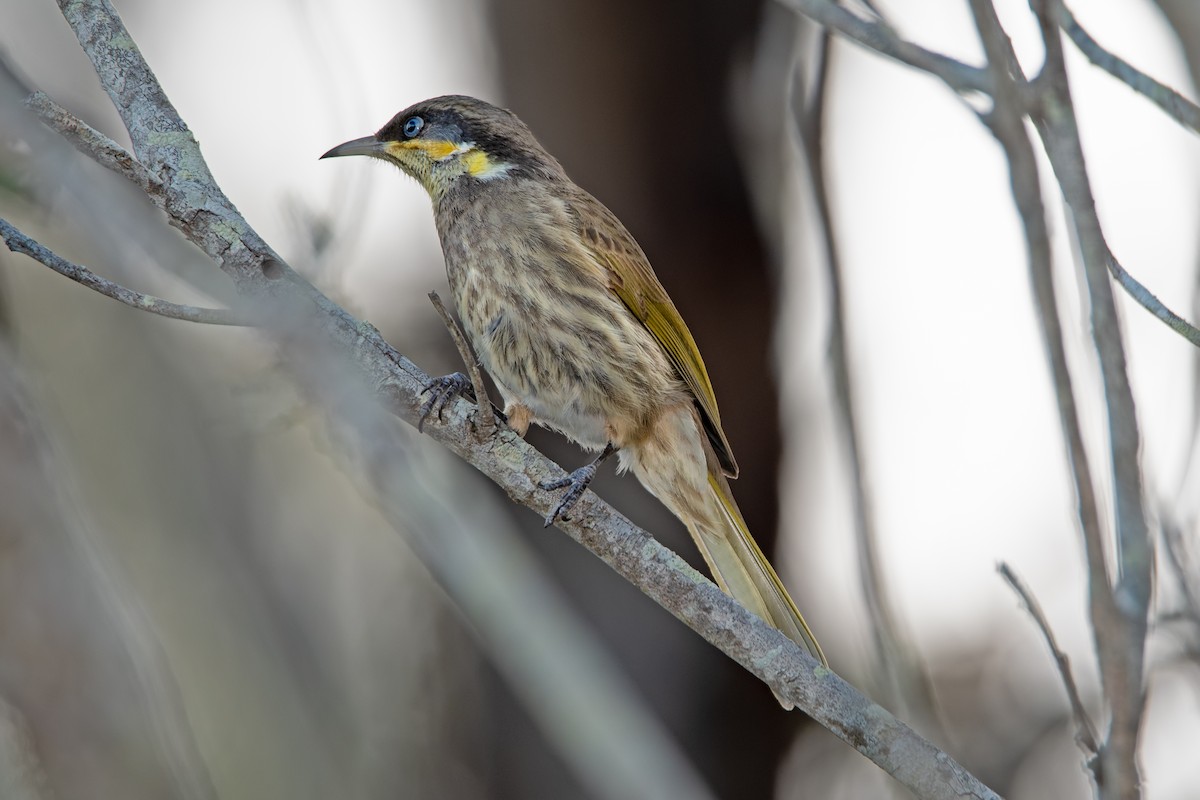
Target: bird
<point>566,314</point>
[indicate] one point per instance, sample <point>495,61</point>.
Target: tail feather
<point>677,465</point>
<point>743,572</point>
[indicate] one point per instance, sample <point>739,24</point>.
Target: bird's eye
<point>412,126</point>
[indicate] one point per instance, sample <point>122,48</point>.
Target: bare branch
<point>91,142</point>
<point>1175,105</point>
<point>883,40</point>
<point>1184,564</point>
<point>1146,299</point>
<point>18,242</point>
<point>1085,734</point>
<point>964,78</point>
<point>487,416</point>
<point>196,205</point>
<point>1007,124</point>
<point>1121,645</point>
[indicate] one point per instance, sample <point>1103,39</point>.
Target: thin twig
<point>964,78</point>
<point>883,40</point>
<point>91,142</point>
<point>1146,299</point>
<point>1184,565</point>
<point>1175,105</point>
<point>18,242</point>
<point>1085,734</point>
<point>486,415</point>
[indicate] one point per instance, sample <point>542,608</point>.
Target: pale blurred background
<point>170,507</point>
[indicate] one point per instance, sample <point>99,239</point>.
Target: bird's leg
<point>441,391</point>
<point>577,483</point>
<point>518,417</point>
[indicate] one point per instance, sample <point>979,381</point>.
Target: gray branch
<point>91,142</point>
<point>1122,647</point>
<point>1175,105</point>
<point>882,39</point>
<point>1006,122</point>
<point>193,202</point>
<point>1118,616</point>
<point>1085,734</point>
<point>18,242</point>
<point>964,78</point>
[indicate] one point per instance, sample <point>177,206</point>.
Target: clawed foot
<point>441,391</point>
<point>577,483</point>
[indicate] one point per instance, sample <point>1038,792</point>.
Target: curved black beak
<point>366,146</point>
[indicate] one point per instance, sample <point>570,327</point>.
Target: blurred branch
<point>91,142</point>
<point>61,603</point>
<point>882,39</point>
<point>1122,646</point>
<point>1148,301</point>
<point>1007,124</point>
<point>567,682</point>
<point>1118,615</point>
<point>962,78</point>
<point>1184,564</point>
<point>195,204</point>
<point>1085,734</point>
<point>1175,105</point>
<point>18,242</point>
<point>904,677</point>
<point>486,413</point>
<point>22,773</point>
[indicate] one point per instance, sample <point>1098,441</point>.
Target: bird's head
<point>448,140</point>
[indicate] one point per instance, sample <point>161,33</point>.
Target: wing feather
<point>634,282</point>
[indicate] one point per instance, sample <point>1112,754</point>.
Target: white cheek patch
<point>493,171</point>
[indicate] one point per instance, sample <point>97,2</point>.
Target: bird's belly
<point>557,340</point>
<point>556,383</point>
<point>564,383</point>
<point>586,427</point>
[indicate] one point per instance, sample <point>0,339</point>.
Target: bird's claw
<point>441,391</point>
<point>577,483</point>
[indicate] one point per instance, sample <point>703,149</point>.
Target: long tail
<point>742,570</point>
<point>677,466</point>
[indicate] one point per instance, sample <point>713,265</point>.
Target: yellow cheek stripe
<point>477,162</point>
<point>479,165</point>
<point>435,149</point>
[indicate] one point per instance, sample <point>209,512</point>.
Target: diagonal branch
<point>963,78</point>
<point>882,39</point>
<point>1175,105</point>
<point>1085,734</point>
<point>91,142</point>
<point>18,242</point>
<point>1147,300</point>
